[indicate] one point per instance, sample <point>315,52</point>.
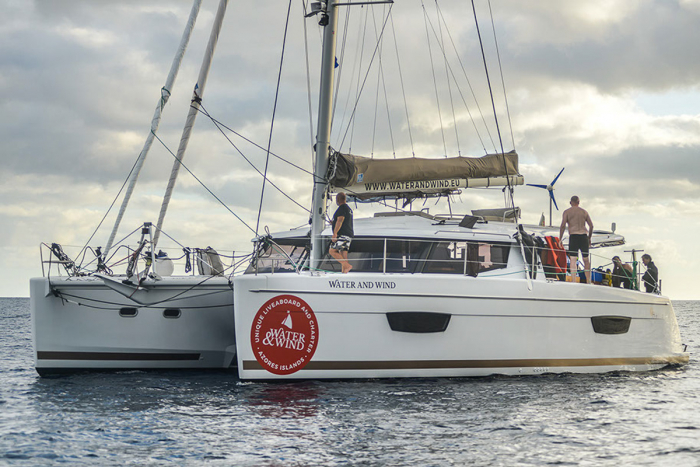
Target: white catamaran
<point>466,295</point>
<point>146,318</point>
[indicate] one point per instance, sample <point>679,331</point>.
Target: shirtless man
<point>579,239</point>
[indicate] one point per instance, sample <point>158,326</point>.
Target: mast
<point>192,114</point>
<point>323,133</point>
<point>329,19</point>
<point>155,122</point>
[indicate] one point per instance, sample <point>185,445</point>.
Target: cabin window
<point>367,255</point>
<point>402,256</point>
<point>449,258</point>
<point>405,255</point>
<point>493,256</point>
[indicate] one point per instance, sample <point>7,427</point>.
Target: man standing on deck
<point>651,277</point>
<point>342,233</point>
<point>579,239</point>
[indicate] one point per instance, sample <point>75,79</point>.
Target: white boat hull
<point>81,327</point>
<point>496,326</point>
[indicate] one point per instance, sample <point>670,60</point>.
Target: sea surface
<point>171,418</point>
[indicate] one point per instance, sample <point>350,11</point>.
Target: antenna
<point>550,189</point>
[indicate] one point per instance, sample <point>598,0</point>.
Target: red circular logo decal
<point>284,334</point>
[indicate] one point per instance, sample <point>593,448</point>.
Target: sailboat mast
<point>323,135</point>
<point>192,114</point>
<point>155,121</point>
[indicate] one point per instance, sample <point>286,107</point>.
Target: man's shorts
<point>341,244</point>
<point>578,242</point>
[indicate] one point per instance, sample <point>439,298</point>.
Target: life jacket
<point>555,256</point>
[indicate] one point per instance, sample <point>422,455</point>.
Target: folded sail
<point>365,177</point>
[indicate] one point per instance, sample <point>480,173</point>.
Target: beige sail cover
<point>349,170</point>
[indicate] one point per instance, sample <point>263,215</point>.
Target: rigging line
<point>203,185</point>
<point>171,238</point>
<point>432,68</point>
<point>388,117</point>
<point>169,299</point>
<point>357,87</point>
<point>308,91</point>
<point>78,297</point>
<point>107,260</point>
<point>449,85</point>
<point>503,82</point>
<point>381,80</point>
<point>376,95</point>
<point>252,165</point>
<point>493,105</point>
<point>459,89</point>
<point>352,116</point>
<point>274,112</point>
<point>81,267</point>
<point>386,96</point>
<point>219,123</point>
<point>471,88</point>
<point>403,89</point>
<point>110,207</point>
<point>352,80</point>
<point>356,64</point>
<point>340,66</point>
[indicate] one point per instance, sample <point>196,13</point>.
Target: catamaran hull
<point>81,324</point>
<point>377,326</point>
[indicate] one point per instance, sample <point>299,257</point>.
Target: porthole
<point>171,313</point>
<point>128,312</point>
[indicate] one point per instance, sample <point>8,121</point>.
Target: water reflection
<point>294,400</point>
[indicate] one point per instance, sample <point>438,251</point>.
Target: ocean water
<point>171,418</point>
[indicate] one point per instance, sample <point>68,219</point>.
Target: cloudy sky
<point>607,89</point>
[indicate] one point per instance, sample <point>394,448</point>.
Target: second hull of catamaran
<point>370,325</point>
<point>83,323</point>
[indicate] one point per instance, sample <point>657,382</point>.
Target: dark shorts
<point>578,242</point>
<point>341,244</point>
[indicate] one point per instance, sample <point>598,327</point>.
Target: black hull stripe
<point>462,364</point>
<point>111,356</point>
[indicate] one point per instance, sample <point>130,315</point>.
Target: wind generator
<point>550,189</point>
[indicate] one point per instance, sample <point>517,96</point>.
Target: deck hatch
<point>418,321</point>
<point>611,324</point>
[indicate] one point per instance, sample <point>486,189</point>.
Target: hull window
<point>171,313</point>
<point>128,312</point>
<point>611,324</point>
<point>418,321</point>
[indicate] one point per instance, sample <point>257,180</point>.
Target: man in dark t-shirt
<point>342,233</point>
<point>651,277</point>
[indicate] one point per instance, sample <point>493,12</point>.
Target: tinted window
<point>367,255</point>
<point>449,257</point>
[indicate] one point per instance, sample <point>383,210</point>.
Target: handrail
<point>120,260</point>
<point>386,260</point>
